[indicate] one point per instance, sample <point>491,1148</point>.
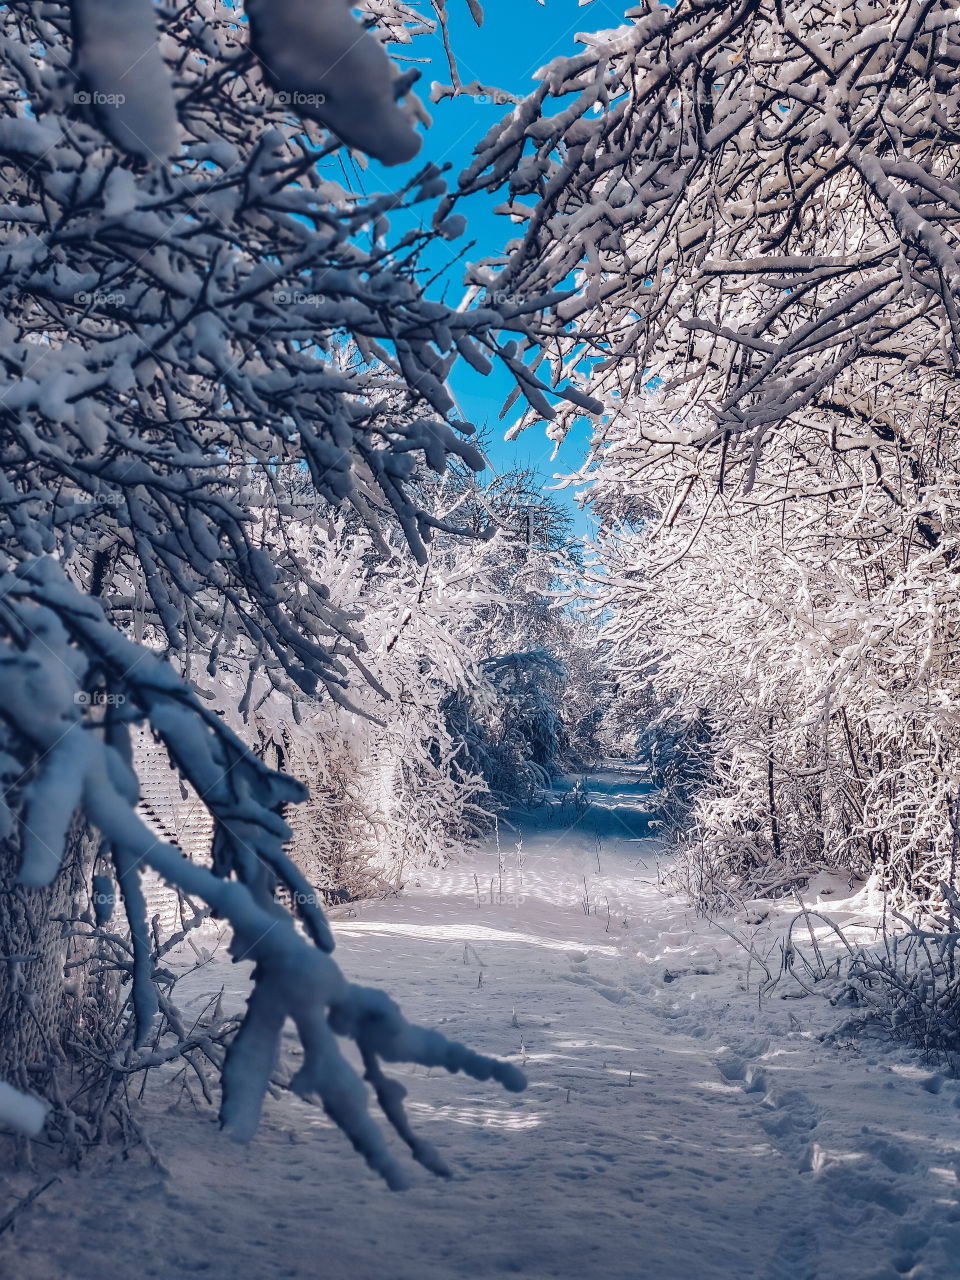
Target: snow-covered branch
<point>57,641</point>
<point>755,203</point>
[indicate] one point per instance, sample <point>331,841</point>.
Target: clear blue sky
<point>517,38</point>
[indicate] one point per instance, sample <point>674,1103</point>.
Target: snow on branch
<point>176,338</point>
<point>323,64</point>
<point>333,70</point>
<point>753,201</point>
<point>126,84</point>
<point>21,1112</point>
<point>57,643</point>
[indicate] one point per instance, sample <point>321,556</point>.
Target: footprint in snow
<point>608,990</point>
<point>730,1065</point>
<point>896,1157</point>
<point>909,1240</point>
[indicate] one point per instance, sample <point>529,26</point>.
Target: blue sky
<point>517,38</point>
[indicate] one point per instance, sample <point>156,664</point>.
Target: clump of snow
<point>332,70</point>
<point>20,1112</point>
<point>125,81</point>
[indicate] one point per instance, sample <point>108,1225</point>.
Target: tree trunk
<point>33,947</point>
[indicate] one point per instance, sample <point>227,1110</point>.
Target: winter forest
<point>480,639</point>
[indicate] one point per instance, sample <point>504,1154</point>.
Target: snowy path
<point>671,1129</point>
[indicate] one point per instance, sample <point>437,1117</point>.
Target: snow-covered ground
<point>674,1126</point>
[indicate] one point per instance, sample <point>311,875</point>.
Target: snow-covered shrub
<point>910,989</point>
<point>575,802</point>
<point>677,749</point>
<point>805,638</point>
<point>387,790</point>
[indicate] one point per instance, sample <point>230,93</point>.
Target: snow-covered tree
<point>385,789</point>
<point>753,209</point>
<point>799,643</point>
<point>752,204</point>
<point>542,681</point>
<point>181,277</point>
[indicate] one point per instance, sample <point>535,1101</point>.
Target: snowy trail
<point>671,1129</point>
